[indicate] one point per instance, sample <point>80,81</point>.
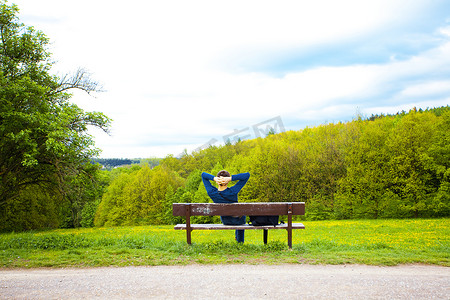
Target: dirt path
<point>229,282</point>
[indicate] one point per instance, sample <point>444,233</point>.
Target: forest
<point>51,176</point>
<point>394,166</point>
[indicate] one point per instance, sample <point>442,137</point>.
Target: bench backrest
<point>238,209</point>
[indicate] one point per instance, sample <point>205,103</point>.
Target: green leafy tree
<point>361,191</point>
<point>33,208</point>
<point>439,161</point>
<point>415,178</point>
<point>43,137</point>
<point>140,197</point>
<point>110,211</point>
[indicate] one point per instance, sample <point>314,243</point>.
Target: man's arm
<point>206,182</point>
<point>243,178</point>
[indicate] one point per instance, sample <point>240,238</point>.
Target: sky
<point>181,75</point>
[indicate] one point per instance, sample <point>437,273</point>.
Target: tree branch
<point>80,80</point>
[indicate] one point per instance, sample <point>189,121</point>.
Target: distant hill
<point>110,163</point>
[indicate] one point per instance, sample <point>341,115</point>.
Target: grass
<point>372,242</point>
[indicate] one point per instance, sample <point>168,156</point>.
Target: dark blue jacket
<point>229,195</point>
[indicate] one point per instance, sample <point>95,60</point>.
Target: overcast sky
<point>183,74</point>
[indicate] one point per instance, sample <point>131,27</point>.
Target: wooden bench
<point>239,209</point>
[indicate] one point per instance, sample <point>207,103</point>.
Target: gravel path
<point>229,282</point>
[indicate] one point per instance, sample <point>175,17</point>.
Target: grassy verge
<point>374,242</point>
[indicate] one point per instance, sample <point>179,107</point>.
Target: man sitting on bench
<point>224,194</point>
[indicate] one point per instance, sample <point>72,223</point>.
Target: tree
<point>362,193</point>
<point>43,137</point>
<point>141,197</point>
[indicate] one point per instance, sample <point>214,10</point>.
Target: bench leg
<point>290,238</point>
<point>266,231</point>
<point>188,224</point>
<point>188,235</point>
<point>289,227</point>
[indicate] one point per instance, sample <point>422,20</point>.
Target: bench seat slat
<point>236,227</point>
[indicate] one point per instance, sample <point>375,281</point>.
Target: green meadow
<point>372,242</point>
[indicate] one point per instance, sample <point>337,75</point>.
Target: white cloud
<point>445,31</point>
<point>178,73</point>
<point>427,89</point>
